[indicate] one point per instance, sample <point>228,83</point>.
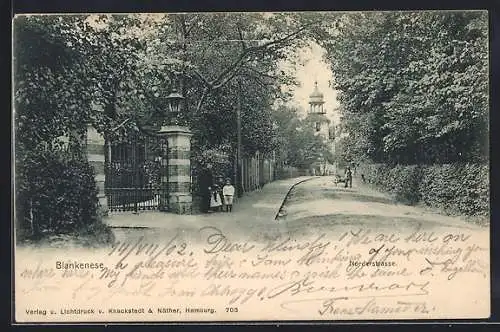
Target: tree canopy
<point>296,141</point>
<point>112,71</point>
<point>413,86</point>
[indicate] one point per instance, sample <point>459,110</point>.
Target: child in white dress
<point>215,199</point>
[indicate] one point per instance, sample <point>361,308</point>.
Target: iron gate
<point>133,178</point>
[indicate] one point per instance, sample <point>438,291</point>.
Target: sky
<point>310,68</point>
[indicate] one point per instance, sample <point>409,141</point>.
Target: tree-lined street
<point>315,205</point>
<point>162,108</point>
<point>241,166</point>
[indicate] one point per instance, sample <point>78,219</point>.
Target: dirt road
<point>321,205</point>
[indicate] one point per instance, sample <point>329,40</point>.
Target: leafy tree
<point>43,100</point>
<point>212,55</point>
<point>63,67</point>
<point>219,61</point>
<point>413,85</point>
<point>296,140</point>
<point>113,71</point>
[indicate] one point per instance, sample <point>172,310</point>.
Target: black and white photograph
<point>251,166</point>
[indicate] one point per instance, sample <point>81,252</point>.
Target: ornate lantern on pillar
<point>174,102</point>
<point>176,164</point>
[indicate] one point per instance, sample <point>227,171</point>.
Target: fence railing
<point>133,199</point>
<point>256,171</point>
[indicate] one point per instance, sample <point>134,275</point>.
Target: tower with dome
<point>317,113</point>
<point>322,125</point>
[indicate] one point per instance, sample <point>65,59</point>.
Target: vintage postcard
<point>276,166</point>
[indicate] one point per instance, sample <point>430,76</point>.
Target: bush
<point>404,183</point>
<point>462,189</point>
<point>376,174</point>
<point>56,194</point>
<point>453,188</point>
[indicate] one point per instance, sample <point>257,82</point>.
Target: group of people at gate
<point>221,197</point>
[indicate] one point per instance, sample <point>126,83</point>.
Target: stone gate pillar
<point>176,169</point>
<point>95,154</point>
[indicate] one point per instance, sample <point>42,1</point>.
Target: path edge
<point>288,193</point>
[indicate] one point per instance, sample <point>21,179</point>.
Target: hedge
<point>56,194</point>
<point>454,188</point>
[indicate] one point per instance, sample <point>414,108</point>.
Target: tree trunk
<point>35,228</point>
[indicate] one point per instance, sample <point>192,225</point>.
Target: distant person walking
<point>348,177</point>
<point>228,193</point>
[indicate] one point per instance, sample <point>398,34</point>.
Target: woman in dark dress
<point>205,183</point>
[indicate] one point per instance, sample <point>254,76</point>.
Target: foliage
<point>462,188</point>
<point>405,183</point>
<point>413,92</point>
<point>217,160</point>
<point>45,92</point>
<point>59,194</point>
<point>217,61</point>
<point>113,72</point>
<point>296,139</point>
<point>63,66</point>
<point>453,188</point>
<point>75,76</point>
<point>413,86</point>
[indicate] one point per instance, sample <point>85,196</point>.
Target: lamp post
<point>176,164</point>
<point>174,100</point>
